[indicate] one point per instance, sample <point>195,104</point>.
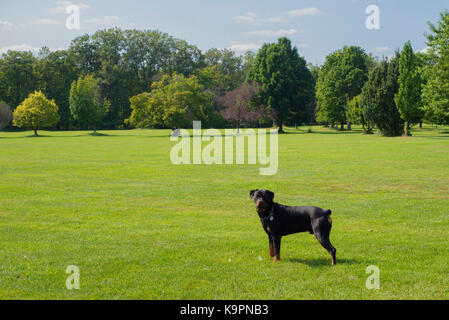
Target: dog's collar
<point>270,215</point>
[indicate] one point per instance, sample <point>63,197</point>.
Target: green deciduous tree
<point>228,65</point>
<point>377,98</point>
<point>17,78</point>
<point>36,112</point>
<point>86,105</point>
<point>408,98</point>
<point>210,78</point>
<point>126,62</point>
<point>174,101</point>
<point>354,113</point>
<point>286,84</point>
<point>436,90</point>
<point>184,58</point>
<point>340,79</point>
<point>55,72</point>
<point>5,114</point>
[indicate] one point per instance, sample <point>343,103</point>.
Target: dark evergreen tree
<point>377,98</point>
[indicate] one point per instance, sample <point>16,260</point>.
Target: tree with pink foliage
<point>237,103</point>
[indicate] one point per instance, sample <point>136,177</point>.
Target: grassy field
<point>139,227</point>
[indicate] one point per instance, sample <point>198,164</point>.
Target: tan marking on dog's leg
<point>333,261</point>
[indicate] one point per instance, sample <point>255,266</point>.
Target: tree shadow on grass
<point>435,137</point>
<point>33,136</point>
<point>329,131</point>
<point>440,135</point>
<point>322,262</point>
<point>339,132</point>
<point>299,131</point>
<point>47,136</point>
<point>162,136</point>
<point>99,134</point>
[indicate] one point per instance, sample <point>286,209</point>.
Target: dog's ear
<point>270,194</point>
<point>251,193</point>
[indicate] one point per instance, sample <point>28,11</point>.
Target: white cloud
<point>289,15</point>
<point>26,47</point>
<point>381,49</point>
<point>249,18</point>
<point>273,33</point>
<point>244,47</point>
<point>61,5</point>
<point>5,25</point>
<point>19,47</point>
<point>47,21</point>
<point>277,19</point>
<point>107,20</point>
<point>252,18</point>
<point>305,12</point>
<point>303,45</point>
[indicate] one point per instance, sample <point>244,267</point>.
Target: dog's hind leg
<point>325,242</point>
<point>322,231</point>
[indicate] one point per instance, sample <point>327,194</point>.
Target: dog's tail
<point>328,212</point>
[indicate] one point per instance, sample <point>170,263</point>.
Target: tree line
<point>390,94</point>
<point>129,78</point>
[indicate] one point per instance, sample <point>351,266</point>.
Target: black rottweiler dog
<point>279,220</point>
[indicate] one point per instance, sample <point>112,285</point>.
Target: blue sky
<point>316,28</point>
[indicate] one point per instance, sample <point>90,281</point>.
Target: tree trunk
<point>407,128</point>
<point>35,132</point>
<point>420,124</point>
<point>342,126</point>
<point>296,126</point>
<point>349,125</point>
<point>280,127</point>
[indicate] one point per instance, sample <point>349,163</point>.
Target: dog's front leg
<point>277,248</point>
<point>271,245</point>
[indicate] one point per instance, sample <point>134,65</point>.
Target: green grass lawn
<point>139,227</point>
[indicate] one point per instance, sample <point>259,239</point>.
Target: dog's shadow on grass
<point>322,261</point>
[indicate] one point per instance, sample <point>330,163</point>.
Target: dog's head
<point>263,199</point>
